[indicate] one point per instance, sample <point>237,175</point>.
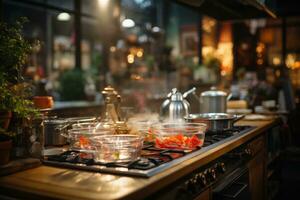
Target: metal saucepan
<point>216,122</point>
<point>53,130</point>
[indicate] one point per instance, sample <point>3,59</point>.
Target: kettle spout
<point>229,96</point>
<point>189,92</point>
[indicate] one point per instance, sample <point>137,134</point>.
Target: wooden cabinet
<point>256,177</point>
<point>257,169</point>
<point>205,195</point>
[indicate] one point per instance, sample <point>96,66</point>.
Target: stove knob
<point>221,167</point>
<point>201,179</point>
<point>248,151</point>
<point>212,174</point>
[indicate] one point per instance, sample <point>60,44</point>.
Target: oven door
<point>234,186</point>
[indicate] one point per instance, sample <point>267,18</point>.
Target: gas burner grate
<point>152,161</point>
<point>212,137</point>
<point>147,161</point>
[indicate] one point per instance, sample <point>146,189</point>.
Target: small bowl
<point>182,135</point>
<point>117,148</point>
<point>144,127</point>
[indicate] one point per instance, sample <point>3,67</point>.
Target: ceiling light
<point>155,29</point>
<point>63,16</point>
<point>128,23</point>
<point>103,3</point>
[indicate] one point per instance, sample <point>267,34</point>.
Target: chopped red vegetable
<point>83,141</point>
<point>179,142</point>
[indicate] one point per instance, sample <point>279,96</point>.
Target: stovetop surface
<point>153,160</point>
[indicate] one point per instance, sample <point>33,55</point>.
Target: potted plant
<point>14,91</point>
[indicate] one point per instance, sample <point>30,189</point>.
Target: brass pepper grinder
<point>112,116</point>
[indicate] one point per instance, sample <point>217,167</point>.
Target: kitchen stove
<point>153,160</point>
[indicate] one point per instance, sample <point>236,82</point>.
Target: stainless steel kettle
<point>175,107</point>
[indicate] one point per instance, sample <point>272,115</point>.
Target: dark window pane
<point>91,55</point>
<point>67,4</point>
<point>35,29</point>
<point>91,7</point>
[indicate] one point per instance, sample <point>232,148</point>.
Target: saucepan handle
<point>62,130</point>
<point>238,117</point>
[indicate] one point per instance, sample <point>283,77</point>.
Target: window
<point>142,47</point>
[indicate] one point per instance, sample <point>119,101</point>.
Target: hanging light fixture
<point>128,23</point>
<point>63,16</point>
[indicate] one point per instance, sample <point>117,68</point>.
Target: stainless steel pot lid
<point>211,116</point>
<point>213,92</point>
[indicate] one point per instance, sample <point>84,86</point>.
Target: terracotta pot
<point>5,148</point>
<point>5,117</point>
<point>43,102</point>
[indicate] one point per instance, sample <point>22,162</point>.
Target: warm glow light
<point>139,53</point>
<point>130,58</point>
<point>128,23</point>
<point>290,60</point>
<point>112,48</point>
<point>223,53</point>
<point>260,47</point>
<point>276,61</point>
<point>259,61</point>
<point>136,77</point>
<point>63,16</point>
<point>103,3</point>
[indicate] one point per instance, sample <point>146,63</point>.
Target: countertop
<point>59,183</point>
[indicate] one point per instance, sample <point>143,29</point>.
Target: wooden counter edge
<point>165,178</point>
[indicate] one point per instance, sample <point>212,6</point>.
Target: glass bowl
<point>117,148</point>
<point>183,135</point>
<point>80,138</point>
<point>87,125</point>
<point>144,127</point>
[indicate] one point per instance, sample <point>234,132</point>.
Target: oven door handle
<point>242,186</point>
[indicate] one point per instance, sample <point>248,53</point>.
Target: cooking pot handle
<point>238,117</point>
<point>60,129</point>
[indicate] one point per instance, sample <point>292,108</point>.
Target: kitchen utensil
<point>179,135</point>
<point>117,148</point>
<point>53,130</point>
<point>216,122</point>
<point>214,101</point>
<point>176,106</point>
